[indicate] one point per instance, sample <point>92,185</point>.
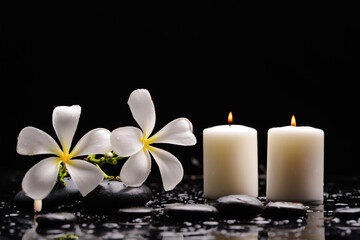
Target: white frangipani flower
<point>136,143</point>
<point>41,178</point>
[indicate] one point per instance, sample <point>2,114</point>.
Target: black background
<point>199,60</point>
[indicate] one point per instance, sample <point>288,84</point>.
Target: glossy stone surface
<point>190,211</point>
<point>348,213</point>
<point>57,197</point>
<point>135,212</point>
<point>112,194</point>
<point>284,210</point>
<point>53,220</point>
<point>239,206</point>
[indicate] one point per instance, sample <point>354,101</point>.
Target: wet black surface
<point>318,223</point>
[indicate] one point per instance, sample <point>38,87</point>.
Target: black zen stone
<point>56,220</point>
<point>190,211</point>
<point>348,213</point>
<point>283,210</point>
<point>58,196</point>
<point>239,206</point>
<point>112,194</point>
<point>135,212</point>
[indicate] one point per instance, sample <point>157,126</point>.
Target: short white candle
<point>230,161</point>
<point>295,164</point>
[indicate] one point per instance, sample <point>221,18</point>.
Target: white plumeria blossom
<point>136,143</point>
<point>41,178</point>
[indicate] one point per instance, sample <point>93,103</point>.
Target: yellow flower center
<point>65,156</point>
<point>147,142</point>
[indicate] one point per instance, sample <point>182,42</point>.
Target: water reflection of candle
<point>314,228</point>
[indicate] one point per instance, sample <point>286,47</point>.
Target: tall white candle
<point>295,164</point>
<point>230,161</point>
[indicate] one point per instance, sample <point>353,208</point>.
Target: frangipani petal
<point>33,141</point>
<point>136,169</point>
<point>65,120</point>
<point>84,174</point>
<point>125,141</point>
<point>41,178</point>
<point>143,110</point>
<point>170,168</point>
<point>96,141</point>
<point>178,132</point>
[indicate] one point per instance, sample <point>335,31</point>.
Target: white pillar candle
<point>295,164</point>
<point>230,161</point>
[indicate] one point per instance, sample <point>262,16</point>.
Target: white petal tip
<point>167,189</point>
<point>143,110</point>
<point>170,187</point>
<point>178,132</point>
<point>171,170</point>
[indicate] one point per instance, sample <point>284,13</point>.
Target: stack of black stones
<point>114,211</point>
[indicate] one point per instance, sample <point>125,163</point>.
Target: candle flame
<point>230,118</point>
<point>293,121</point>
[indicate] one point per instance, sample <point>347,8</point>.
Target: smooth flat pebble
<point>347,213</point>
<point>135,212</point>
<point>54,220</point>
<point>239,206</point>
<point>59,195</point>
<point>112,194</point>
<point>190,211</point>
<point>283,210</point>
